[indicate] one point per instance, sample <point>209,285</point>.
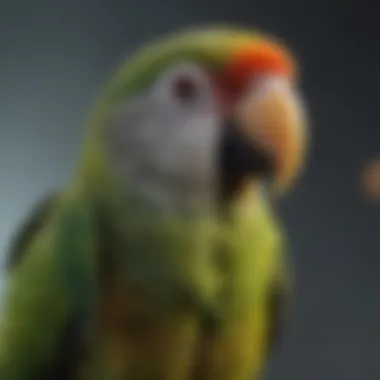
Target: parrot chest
<point>219,267</point>
<point>138,337</point>
<point>172,261</point>
<point>187,304</point>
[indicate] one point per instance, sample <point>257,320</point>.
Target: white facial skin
<point>165,141</point>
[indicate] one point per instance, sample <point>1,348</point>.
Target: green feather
<point>42,294</point>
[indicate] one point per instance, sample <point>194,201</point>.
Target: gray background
<point>56,54</point>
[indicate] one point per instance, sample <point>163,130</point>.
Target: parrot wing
<point>31,226</point>
<point>49,294</point>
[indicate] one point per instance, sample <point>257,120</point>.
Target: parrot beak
<point>269,124</point>
<point>266,137</point>
<point>272,120</point>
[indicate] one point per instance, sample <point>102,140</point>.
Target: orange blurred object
<point>371,180</point>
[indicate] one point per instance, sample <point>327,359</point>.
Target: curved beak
<point>272,118</point>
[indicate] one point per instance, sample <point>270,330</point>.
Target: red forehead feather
<point>252,60</point>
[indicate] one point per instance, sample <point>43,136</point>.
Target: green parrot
<point>162,258</point>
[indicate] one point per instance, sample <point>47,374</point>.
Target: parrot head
<point>201,114</point>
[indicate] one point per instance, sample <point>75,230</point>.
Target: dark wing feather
<point>32,224</point>
<point>66,360</point>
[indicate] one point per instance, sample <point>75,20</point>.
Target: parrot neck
<point>183,203</point>
<point>165,198</point>
<point>169,198</point>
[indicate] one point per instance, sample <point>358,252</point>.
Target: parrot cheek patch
<point>189,152</point>
<point>162,143</point>
<point>129,136</point>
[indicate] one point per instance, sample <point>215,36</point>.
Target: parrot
<point>162,257</point>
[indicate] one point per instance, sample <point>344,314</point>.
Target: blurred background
<point>56,54</point>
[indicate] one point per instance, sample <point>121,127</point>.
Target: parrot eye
<point>185,89</point>
<point>186,84</point>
